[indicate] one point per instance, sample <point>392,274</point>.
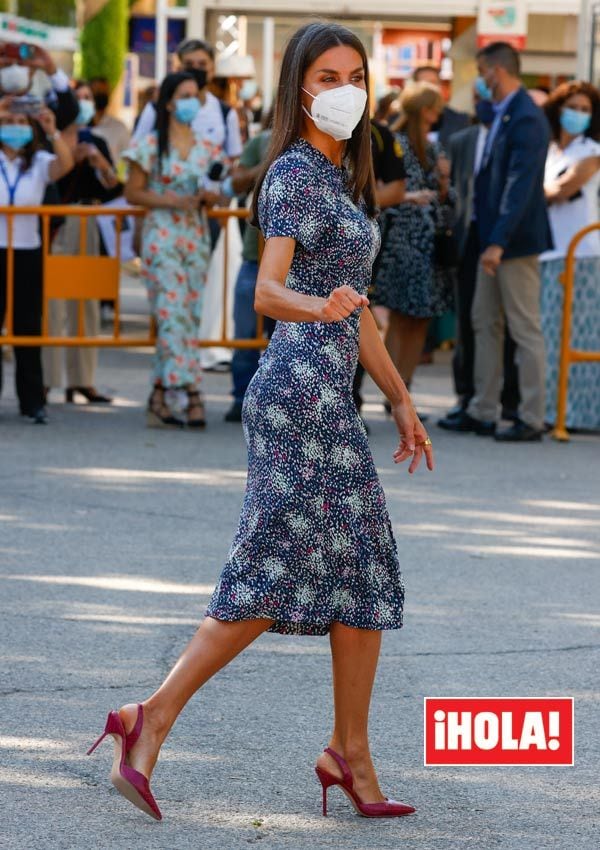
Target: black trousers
<point>464,351</point>
<point>27,320</point>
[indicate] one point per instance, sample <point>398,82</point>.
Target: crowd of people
<point>476,213</point>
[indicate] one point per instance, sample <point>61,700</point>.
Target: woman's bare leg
<point>404,341</point>
<point>213,646</point>
<point>354,655</point>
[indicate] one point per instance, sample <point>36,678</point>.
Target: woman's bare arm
<point>569,183</point>
<point>374,357</point>
<point>272,297</point>
<point>137,193</point>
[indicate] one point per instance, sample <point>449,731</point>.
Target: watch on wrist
<point>52,137</point>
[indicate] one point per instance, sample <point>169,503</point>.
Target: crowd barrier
<point>81,277</point>
<point>569,355</point>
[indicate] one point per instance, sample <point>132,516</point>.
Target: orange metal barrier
<point>569,355</point>
<point>82,277</point>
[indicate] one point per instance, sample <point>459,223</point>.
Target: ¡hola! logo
<point>498,731</point>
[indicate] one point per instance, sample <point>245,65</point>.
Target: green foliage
<point>104,42</point>
<point>59,13</point>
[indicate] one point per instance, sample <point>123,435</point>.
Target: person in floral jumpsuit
<point>167,170</point>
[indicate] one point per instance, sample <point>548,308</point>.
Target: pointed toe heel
<point>132,784</point>
<point>385,809</point>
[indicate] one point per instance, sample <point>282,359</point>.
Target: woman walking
<point>314,552</point>
<point>167,171</point>
<point>410,281</point>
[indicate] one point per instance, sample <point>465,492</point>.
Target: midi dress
<point>408,280</point>
<point>314,543</point>
<point>175,255</point>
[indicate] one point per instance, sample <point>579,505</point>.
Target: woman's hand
<point>414,440</point>
<point>422,198</point>
<point>342,302</point>
<point>47,121</point>
<point>189,203</point>
<point>96,160</point>
<point>5,103</point>
<point>208,198</point>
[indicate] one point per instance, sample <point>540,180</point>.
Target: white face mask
<point>337,111</point>
<point>14,78</point>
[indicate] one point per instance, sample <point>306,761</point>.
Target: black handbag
<point>445,250</point>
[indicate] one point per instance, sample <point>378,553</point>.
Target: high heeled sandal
<point>385,809</point>
<point>90,393</point>
<point>156,417</point>
<point>132,784</point>
<point>195,403</point>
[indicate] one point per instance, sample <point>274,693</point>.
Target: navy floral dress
<point>315,542</point>
<point>407,278</point>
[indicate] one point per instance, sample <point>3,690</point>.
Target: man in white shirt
<point>216,121</point>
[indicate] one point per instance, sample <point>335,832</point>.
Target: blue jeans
<point>245,360</point>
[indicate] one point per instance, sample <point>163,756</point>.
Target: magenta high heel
<point>132,784</point>
<point>386,809</point>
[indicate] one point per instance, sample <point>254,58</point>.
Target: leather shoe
<point>234,414</point>
<point>464,423</point>
<point>38,416</point>
<point>455,412</point>
<point>519,432</point>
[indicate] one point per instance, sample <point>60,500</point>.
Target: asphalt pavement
<point>112,537</point>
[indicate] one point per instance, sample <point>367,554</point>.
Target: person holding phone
<point>167,171</point>
<point>26,169</point>
<point>571,186</point>
<point>20,65</point>
<point>92,180</point>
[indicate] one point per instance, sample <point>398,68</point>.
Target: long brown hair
<point>415,98</point>
<point>304,48</point>
<point>562,93</point>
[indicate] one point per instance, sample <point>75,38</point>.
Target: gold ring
<point>426,442</point>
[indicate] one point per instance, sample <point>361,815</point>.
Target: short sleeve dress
<point>175,255</point>
<point>314,543</point>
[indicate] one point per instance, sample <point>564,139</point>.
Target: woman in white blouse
<point>572,182</point>
<point>26,168</point>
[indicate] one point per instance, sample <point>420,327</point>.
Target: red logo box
<point>498,731</point>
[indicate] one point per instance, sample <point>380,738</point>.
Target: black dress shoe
<point>38,416</point>
<point>234,414</point>
<point>464,423</point>
<point>510,415</point>
<point>519,432</point>
<point>455,412</point>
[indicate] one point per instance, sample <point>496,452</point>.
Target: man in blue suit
<point>513,227</point>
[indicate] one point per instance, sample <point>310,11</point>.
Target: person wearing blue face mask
<point>513,230</point>
<point>167,170</point>
<point>465,150</point>
<point>571,186</point>
<point>26,169</point>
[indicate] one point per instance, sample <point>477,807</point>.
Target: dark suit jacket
<point>461,151</point>
<point>451,122</point>
<point>509,189</point>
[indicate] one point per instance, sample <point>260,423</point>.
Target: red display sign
<point>498,731</point>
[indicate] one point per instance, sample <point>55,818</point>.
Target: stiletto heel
<point>386,809</point>
<point>132,784</point>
